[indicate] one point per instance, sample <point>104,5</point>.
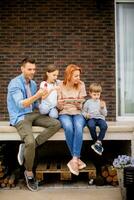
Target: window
<point>125,59</point>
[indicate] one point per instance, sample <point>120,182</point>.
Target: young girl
<point>49,101</point>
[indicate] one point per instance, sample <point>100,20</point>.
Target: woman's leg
<point>75,164</point>
<point>79,123</point>
<point>73,127</point>
<point>67,124</point>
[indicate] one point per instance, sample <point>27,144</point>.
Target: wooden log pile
<point>6,180</point>
<point>109,175</point>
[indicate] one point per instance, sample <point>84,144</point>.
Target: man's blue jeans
<point>92,124</point>
<point>73,127</point>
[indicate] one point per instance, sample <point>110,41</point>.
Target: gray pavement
<point>53,193</point>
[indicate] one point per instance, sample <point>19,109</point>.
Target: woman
<point>70,98</point>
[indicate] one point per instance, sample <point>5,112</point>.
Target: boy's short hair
<point>95,87</point>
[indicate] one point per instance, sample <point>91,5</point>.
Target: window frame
<point>119,118</point>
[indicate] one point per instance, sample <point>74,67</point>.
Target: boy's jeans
<point>73,127</point>
<point>92,123</point>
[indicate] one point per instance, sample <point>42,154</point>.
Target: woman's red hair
<point>69,73</point>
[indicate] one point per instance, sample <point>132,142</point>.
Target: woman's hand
<point>78,105</point>
<point>60,104</point>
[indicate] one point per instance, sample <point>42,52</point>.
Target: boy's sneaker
<point>32,184</point>
<point>20,155</point>
<point>97,147</point>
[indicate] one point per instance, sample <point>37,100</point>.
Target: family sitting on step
<point>56,104</point>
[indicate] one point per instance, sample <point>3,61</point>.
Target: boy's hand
<point>87,116</point>
<point>102,104</point>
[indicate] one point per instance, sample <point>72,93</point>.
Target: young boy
<point>94,110</point>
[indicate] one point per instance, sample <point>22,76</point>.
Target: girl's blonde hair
<point>95,87</point>
<point>69,73</point>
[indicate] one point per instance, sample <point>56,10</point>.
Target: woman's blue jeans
<point>73,127</point>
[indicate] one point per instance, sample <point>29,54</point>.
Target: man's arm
<point>27,102</point>
<point>19,98</point>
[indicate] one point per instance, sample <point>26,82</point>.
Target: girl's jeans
<point>73,127</point>
<point>92,123</point>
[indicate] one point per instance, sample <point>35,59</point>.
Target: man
<point>22,102</point>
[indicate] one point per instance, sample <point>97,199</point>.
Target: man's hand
<point>41,92</point>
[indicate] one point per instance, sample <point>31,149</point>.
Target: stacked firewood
<point>109,174</point>
<point>6,180</point>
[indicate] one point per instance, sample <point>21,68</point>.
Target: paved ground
<point>53,193</point>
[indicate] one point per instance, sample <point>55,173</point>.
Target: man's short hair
<point>27,60</point>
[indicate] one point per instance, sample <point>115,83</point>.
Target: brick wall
<point>60,32</point>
